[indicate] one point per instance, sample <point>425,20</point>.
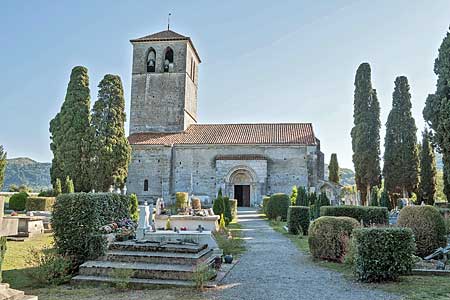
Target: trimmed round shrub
<point>329,237</point>
<point>264,203</point>
<point>383,254</point>
<point>298,219</point>
<point>77,218</point>
<point>39,203</point>
<point>181,200</point>
<point>18,201</point>
<point>427,225</point>
<point>368,214</point>
<point>277,206</point>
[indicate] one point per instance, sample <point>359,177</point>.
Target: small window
<point>146,185</point>
<point>151,61</point>
<point>168,60</point>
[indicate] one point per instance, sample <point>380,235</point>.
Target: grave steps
<point>7,293</point>
<point>151,263</point>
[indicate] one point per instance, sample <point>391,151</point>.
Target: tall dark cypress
<point>401,162</point>
<point>437,109</point>
<point>71,133</point>
<point>427,184</point>
<point>111,150</point>
<point>366,133</point>
<point>333,169</point>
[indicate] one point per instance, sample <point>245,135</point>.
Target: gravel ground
<point>273,268</point>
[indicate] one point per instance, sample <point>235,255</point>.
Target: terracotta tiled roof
<point>277,133</point>
<point>166,35</point>
<point>241,157</point>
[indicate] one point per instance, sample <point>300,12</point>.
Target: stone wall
<point>193,168</point>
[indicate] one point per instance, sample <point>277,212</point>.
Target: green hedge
<point>17,201</point>
<point>40,203</point>
<point>368,214</point>
<point>329,237</point>
<point>264,203</point>
<point>298,219</point>
<point>233,207</point>
<point>76,220</point>
<point>277,206</point>
<point>383,254</point>
<point>427,225</point>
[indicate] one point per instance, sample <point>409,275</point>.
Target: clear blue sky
<point>263,61</point>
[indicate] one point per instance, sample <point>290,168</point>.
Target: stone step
<point>157,247</point>
<point>29,297</point>
<point>141,270</point>
<point>134,282</point>
<point>11,294</point>
<point>158,257</point>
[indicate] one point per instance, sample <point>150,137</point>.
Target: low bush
<point>47,193</point>
<point>264,203</point>
<point>39,203</point>
<point>329,237</point>
<point>278,206</point>
<point>427,225</point>
<point>445,212</point>
<point>368,214</point>
<point>298,219</point>
<point>48,267</point>
<point>233,207</point>
<point>383,254</point>
<point>227,210</point>
<point>77,218</point>
<point>18,201</point>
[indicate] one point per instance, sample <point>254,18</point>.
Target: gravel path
<point>273,268</point>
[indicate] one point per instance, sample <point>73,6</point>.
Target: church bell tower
<point>164,83</point>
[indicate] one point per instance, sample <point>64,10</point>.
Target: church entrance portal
<point>242,195</point>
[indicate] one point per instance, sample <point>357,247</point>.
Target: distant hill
<point>347,175</point>
<point>23,170</point>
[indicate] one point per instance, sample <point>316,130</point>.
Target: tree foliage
<point>68,186</point>
<point>385,200</point>
<point>366,132</point>
<point>71,135</point>
<point>374,197</point>
<point>302,197</point>
<point>333,169</point>
<point>294,194</point>
<point>427,185</point>
<point>437,109</point>
<point>401,164</point>
<point>57,188</point>
<point>2,166</point>
<point>111,150</point>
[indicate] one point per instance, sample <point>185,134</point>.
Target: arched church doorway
<point>241,182</point>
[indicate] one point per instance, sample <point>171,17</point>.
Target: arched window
<point>168,60</point>
<point>151,61</point>
<point>146,185</point>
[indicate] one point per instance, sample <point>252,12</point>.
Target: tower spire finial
<point>168,21</point>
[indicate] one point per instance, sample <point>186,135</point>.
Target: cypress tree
<point>68,186</point>
<point>294,195</point>
<point>427,184</point>
<point>384,200</point>
<point>401,162</point>
<point>366,133</point>
<point>2,166</point>
<point>302,197</point>
<point>437,109</point>
<point>374,197</point>
<point>71,133</point>
<point>333,169</point>
<point>111,148</point>
<point>57,189</point>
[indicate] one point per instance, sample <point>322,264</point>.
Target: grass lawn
<point>410,287</point>
<point>15,268</point>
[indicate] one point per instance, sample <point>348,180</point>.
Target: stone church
<point>173,152</point>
